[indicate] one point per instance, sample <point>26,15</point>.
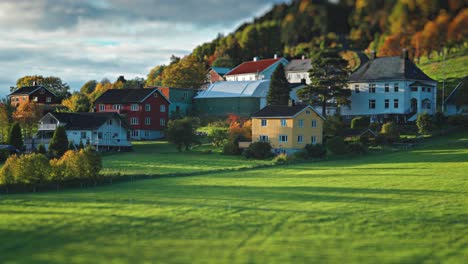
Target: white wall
<point>296,76</point>
<point>244,77</point>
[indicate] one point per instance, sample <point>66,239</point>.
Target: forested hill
<point>387,26</point>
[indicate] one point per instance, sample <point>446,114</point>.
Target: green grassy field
<point>403,207</point>
<point>162,158</point>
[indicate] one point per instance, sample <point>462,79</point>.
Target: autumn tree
<point>329,78</point>
<point>28,114</point>
<point>53,84</point>
<point>5,121</point>
<point>78,102</point>
<point>278,93</point>
<point>154,77</point>
<point>430,37</point>
<point>458,29</point>
<point>391,46</point>
<point>416,44</point>
<point>88,87</point>
<point>101,88</point>
<point>186,73</point>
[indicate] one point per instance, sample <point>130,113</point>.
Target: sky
<point>81,40</point>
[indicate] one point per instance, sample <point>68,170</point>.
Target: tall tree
<point>5,121</point>
<point>186,73</point>
<point>278,94</point>
<point>78,102</point>
<point>88,87</point>
<point>182,132</point>
<point>154,77</point>
<point>15,137</point>
<point>28,114</point>
<point>54,84</point>
<point>329,78</point>
<point>59,143</point>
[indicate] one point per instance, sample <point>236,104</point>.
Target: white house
<point>255,70</point>
<point>102,130</point>
<point>452,107</point>
<point>390,88</point>
<point>297,71</point>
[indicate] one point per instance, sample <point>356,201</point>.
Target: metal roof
<point>236,89</point>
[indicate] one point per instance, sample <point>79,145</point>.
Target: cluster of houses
<point>382,88</point>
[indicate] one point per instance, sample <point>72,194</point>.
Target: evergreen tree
<point>81,146</point>
<point>41,149</point>
<point>278,94</point>
<point>71,146</point>
<point>15,137</point>
<point>59,143</point>
<point>329,78</point>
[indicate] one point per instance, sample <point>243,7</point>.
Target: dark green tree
<point>329,78</point>
<point>15,137</point>
<point>181,132</point>
<point>41,149</point>
<point>278,94</point>
<point>71,146</point>
<point>59,143</point>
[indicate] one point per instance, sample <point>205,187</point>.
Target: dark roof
<point>253,66</point>
<point>29,90</point>
<point>273,111</point>
<point>85,121</point>
<point>122,96</point>
<point>299,65</point>
<point>451,98</point>
<point>420,84</point>
<point>389,68</point>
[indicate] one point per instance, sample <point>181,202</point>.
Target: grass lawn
<point>403,207</point>
<point>163,158</point>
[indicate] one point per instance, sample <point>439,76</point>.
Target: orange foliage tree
<point>28,115</point>
<point>239,128</point>
<point>391,46</point>
<point>457,32</point>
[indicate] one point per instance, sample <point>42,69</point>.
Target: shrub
<point>182,133</point>
<point>390,132</point>
<point>92,163</point>
<point>7,173</point>
<point>71,146</point>
<point>81,146</point>
<point>59,142</point>
<point>316,151</point>
<point>374,126</point>
<point>357,148</point>
<point>231,148</point>
<point>258,150</point>
<point>4,154</point>
<point>15,137</point>
<point>439,120</point>
<point>217,135</point>
<point>424,123</point>
<point>283,158</point>
<point>41,149</point>
<point>360,122</point>
<point>457,120</point>
<point>333,126</point>
<point>336,145</point>
<point>364,139</point>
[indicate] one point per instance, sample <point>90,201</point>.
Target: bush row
<point>33,169</point>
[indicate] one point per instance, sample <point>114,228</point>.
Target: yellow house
<point>288,128</point>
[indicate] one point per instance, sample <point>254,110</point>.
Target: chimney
<point>255,59</point>
<point>291,102</point>
<point>275,56</point>
<point>404,54</point>
<point>34,83</point>
<point>373,54</point>
<point>303,57</point>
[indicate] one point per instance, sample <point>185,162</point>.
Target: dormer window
<point>48,99</point>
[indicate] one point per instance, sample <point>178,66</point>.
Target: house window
<point>102,107</point>
<point>162,122</point>
<point>48,99</point>
<point>314,123</point>
<point>424,89</point>
<point>356,88</point>
<point>134,107</point>
<point>148,121</point>
<point>372,88</point>
<point>284,123</point>
<point>283,138</point>
<point>414,89</point>
<point>395,103</point>
<point>428,89</point>
<point>264,122</point>
<point>117,107</point>
<point>134,133</point>
<point>109,122</point>
<point>83,135</point>
<point>35,99</point>
<point>300,123</point>
<point>307,112</point>
<point>155,95</point>
<point>387,103</point>
<point>263,138</point>
<point>313,140</point>
<point>99,135</point>
<point>387,87</point>
<point>134,121</point>
<point>162,108</point>
<point>147,107</point>
<point>300,139</point>
<point>372,104</point>
<point>396,87</point>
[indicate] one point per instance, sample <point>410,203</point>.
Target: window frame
<point>372,104</point>
<point>280,137</point>
<point>284,123</point>
<point>134,107</point>
<point>264,122</point>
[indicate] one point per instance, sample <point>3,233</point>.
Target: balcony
<point>47,126</point>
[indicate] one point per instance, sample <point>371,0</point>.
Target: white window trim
<point>147,120</point>
<point>147,107</point>
<point>134,107</point>
<point>134,121</point>
<point>281,141</point>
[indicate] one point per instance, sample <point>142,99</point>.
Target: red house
<point>146,110</point>
<point>36,93</point>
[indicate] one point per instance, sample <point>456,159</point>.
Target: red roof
<point>252,66</point>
